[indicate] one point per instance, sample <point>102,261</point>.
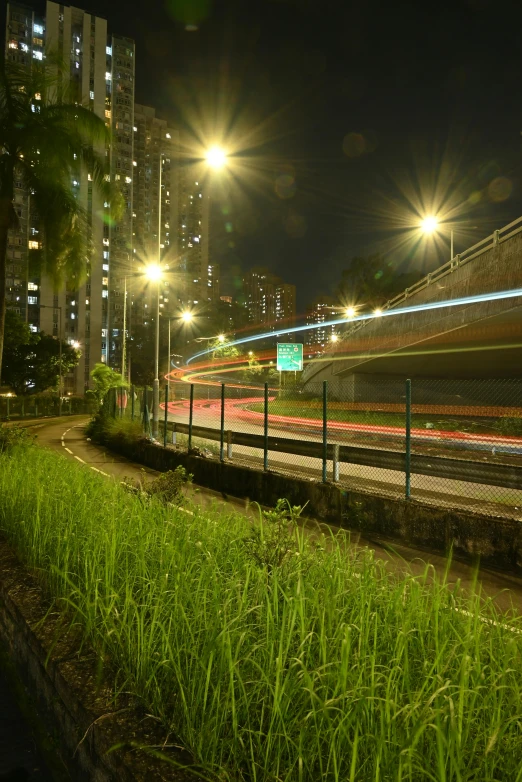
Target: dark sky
<point>347,122</point>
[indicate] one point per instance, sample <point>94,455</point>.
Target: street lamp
<point>430,225</point>
<point>153,272</point>
<point>216,157</point>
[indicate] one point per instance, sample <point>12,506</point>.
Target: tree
<point>256,372</point>
<point>45,141</point>
<point>371,281</point>
<point>32,361</point>
<point>104,378</point>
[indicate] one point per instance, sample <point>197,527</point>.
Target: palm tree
<point>46,140</point>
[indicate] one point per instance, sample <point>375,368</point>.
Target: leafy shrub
<point>509,426</point>
<point>12,436</point>
<point>168,487</point>
<point>103,428</point>
<point>122,431</point>
<point>274,540</point>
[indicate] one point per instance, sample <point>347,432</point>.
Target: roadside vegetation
<point>450,423</point>
<point>268,656</point>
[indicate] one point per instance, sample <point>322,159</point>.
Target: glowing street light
<point>187,317</point>
<point>430,224</point>
<point>377,313</point>
<point>334,337</point>
<point>350,312</point>
<point>221,338</point>
<point>216,157</point>
<point>153,272</point>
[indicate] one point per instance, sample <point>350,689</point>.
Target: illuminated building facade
<point>318,339</point>
<point>100,75</point>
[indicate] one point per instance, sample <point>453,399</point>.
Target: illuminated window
<point>108,76</point>
<point>107,112</point>
<point>38,55</point>
<point>38,29</point>
<point>105,294</point>
<point>91,94</point>
<point>31,286</point>
<point>105,280</point>
<point>32,300</point>
<point>33,245</point>
<point>167,135</point>
<point>108,50</point>
<point>13,45</point>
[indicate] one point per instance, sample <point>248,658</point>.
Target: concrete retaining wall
<point>72,693</point>
<point>497,542</point>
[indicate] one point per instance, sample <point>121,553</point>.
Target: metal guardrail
<point>503,475</point>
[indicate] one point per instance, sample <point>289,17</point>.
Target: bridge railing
<point>459,260</point>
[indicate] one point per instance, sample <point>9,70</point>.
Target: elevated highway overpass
<point>460,342</point>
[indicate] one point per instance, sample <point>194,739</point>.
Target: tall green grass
<point>327,669</point>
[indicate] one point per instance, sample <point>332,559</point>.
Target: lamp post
<point>60,385</point>
<point>216,158</point>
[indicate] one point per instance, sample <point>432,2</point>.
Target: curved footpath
<point>66,435</point>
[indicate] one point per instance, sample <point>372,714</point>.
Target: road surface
<point>495,500</point>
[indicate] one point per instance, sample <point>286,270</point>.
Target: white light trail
<point>434,305</point>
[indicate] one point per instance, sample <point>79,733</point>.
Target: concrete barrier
<point>495,541</point>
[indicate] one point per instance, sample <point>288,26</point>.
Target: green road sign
<point>289,357</point>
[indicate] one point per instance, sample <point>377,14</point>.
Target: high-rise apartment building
<point>201,277</point>
<point>118,235</point>
<point>99,73</point>
<point>155,205</point>
<point>269,301</point>
<point>166,210</point>
<point>318,339</point>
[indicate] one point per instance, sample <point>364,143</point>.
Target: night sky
<point>347,122</point>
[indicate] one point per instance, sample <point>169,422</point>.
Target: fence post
<point>7,416</point>
<point>222,432</point>
<point>325,428</point>
<point>191,415</point>
<point>229,444</point>
<point>36,409</point>
<point>132,403</point>
<point>166,415</point>
<point>407,465</point>
<point>335,471</point>
<point>121,402</point>
<point>173,433</point>
<point>265,431</point>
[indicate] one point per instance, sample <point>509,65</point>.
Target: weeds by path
<point>269,660</point>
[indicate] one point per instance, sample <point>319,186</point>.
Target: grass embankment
<point>448,423</point>
<point>268,659</point>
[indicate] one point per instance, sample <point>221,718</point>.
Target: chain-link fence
<point>447,442</point>
<point>14,408</point>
